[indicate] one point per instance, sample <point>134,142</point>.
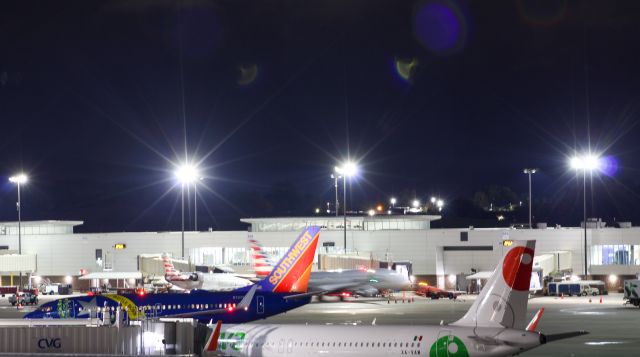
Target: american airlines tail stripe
<point>303,261</point>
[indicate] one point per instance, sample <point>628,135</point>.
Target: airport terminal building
<point>51,249</point>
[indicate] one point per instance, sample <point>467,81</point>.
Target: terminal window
<point>615,254</point>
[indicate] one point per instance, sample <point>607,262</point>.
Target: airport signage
<point>47,343</point>
<point>329,244</point>
<point>120,246</point>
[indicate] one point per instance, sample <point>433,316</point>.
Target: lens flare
<point>542,13</point>
<point>440,27</point>
<point>406,68</point>
<point>609,165</point>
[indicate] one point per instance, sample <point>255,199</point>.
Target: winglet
<point>246,300</point>
<point>534,322</point>
<point>212,343</point>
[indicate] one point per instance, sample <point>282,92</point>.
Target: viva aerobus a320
<point>494,326</point>
<point>285,288</point>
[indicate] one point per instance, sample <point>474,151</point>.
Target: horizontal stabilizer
<point>304,295</point>
<point>562,336</point>
<point>534,322</point>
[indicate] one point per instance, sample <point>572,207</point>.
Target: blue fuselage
<point>263,305</point>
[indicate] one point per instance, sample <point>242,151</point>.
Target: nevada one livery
<point>282,290</point>
<point>493,326</point>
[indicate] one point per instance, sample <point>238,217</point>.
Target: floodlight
<point>588,162</point>
<point>19,178</point>
<point>187,174</point>
<point>393,200</point>
<point>415,203</point>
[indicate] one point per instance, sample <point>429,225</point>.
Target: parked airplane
<point>199,280</point>
<point>285,288</point>
<point>364,282</point>
<point>493,326</point>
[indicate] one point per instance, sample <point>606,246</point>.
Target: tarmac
<point>614,329</point>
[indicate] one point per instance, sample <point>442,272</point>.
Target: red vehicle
<point>8,290</point>
<point>426,290</point>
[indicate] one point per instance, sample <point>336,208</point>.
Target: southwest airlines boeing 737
<point>494,326</point>
<point>285,288</point>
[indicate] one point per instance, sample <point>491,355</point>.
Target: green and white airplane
<point>493,326</point>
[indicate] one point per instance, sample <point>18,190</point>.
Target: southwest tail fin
<point>291,273</point>
<point>169,270</point>
<point>262,265</point>
<point>503,300</point>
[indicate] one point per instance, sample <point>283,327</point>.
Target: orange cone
<point>601,299</point>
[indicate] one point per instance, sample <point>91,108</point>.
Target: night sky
<point>100,100</point>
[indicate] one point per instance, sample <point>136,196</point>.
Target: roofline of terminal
<point>408,217</point>
<point>35,223</point>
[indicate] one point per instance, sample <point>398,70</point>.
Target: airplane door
<point>260,304</point>
<point>442,344</point>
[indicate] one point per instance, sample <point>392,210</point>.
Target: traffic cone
<point>561,295</point>
<point>601,299</point>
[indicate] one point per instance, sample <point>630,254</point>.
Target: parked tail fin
<point>169,270</point>
<point>212,343</point>
<point>260,258</point>
<point>503,300</point>
<point>291,274</point>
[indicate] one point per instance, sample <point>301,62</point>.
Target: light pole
<point>393,202</point>
<point>588,162</point>
<point>185,174</point>
<point>347,169</point>
<point>530,172</point>
<point>335,178</point>
<point>195,203</point>
<point>19,179</point>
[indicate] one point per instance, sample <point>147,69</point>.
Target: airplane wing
<point>243,305</point>
<point>561,336</point>
<point>304,295</point>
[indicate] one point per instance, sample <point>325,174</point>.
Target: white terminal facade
<point>52,249</point>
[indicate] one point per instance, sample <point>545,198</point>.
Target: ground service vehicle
<point>632,291</point>
<point>23,298</point>
<point>434,292</point>
<point>6,290</point>
<point>571,288</point>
